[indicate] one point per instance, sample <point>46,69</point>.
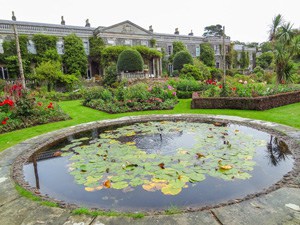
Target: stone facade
<point>251,53</point>
<point>124,33</point>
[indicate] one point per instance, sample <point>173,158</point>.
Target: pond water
<point>157,165</point>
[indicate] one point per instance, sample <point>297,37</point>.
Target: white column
<point>2,69</point>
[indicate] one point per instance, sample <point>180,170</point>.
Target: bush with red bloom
<point>7,102</point>
<point>50,106</point>
<point>233,89</point>
<point>220,86</point>
<point>40,104</point>
<point>4,121</point>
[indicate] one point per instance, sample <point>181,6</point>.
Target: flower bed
<point>252,103</point>
<point>138,97</point>
<point>20,109</point>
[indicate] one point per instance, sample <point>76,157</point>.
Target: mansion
<point>124,33</point>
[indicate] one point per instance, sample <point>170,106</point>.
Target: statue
<point>151,29</point>
<point>87,23</point>
<point>176,31</point>
<point>191,34</point>
<point>63,22</point>
<point>13,16</point>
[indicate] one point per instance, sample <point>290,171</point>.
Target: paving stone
<point>15,212</point>
<point>79,220</point>
<point>203,218</point>
<point>8,156</point>
<point>267,210</point>
<point>46,215</point>
<point>8,192</point>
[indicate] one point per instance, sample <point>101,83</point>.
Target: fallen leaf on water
<point>161,165</point>
<point>199,155</point>
<point>293,206</point>
<point>89,189</point>
<point>107,184</point>
<point>226,167</point>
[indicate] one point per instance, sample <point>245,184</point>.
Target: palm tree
<point>276,22</point>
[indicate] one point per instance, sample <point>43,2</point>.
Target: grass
<point>27,194</point>
<point>288,115</point>
<point>86,211</point>
<point>173,210</point>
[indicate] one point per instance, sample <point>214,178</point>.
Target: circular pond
<point>157,165</point>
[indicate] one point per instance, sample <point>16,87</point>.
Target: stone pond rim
<point>25,149</point>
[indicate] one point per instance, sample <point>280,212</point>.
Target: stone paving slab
<point>267,210</point>
<point>79,220</point>
<point>46,216</point>
<point>203,218</point>
<point>8,156</point>
<point>8,192</point>
<point>15,212</point>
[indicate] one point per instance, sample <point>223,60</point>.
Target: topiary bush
<point>130,61</point>
<point>181,58</point>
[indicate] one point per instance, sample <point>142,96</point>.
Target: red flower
<point>7,102</point>
<point>40,103</point>
<point>50,106</point>
<point>3,122</point>
<point>220,86</point>
<point>234,88</point>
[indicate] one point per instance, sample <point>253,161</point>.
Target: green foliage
<point>74,58</point>
<point>96,47</point>
<point>205,70</point>
<point>111,53</point>
<point>178,46</point>
<point>152,42</point>
<point>12,65</point>
<point>189,71</point>
<point>181,58</point>
<point>266,47</point>
<point>207,54</point>
<point>48,72</point>
<point>244,61</point>
<point>148,53</point>
<point>213,31</point>
<point>130,61</point>
<point>43,43</point>
<point>51,55</point>
<point>216,74</point>
<point>111,75</point>
<point>265,60</point>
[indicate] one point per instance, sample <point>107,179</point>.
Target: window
<point>60,47</point>
<point>128,42</point>
<point>144,43</point>
<point>170,49</point>
<point>111,42</point>
<point>1,46</point>
<point>217,65</point>
<point>31,47</point>
<point>217,49</point>
<point>86,47</point>
<point>197,51</point>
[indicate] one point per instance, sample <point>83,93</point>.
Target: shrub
<point>181,58</point>
<point>111,75</point>
<point>207,54</point>
<point>205,70</point>
<point>130,60</point>
<point>191,71</point>
<point>216,74</point>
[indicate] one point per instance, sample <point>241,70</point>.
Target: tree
<point>276,22</point>
<point>74,58</point>
<point>181,58</point>
<point>265,59</point>
<point>130,60</point>
<point>207,54</point>
<point>96,47</point>
<point>266,46</point>
<point>213,31</point>
<point>189,71</point>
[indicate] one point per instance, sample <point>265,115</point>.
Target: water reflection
<point>278,151</point>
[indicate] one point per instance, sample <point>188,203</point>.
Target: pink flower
<point>170,87</point>
<point>174,93</point>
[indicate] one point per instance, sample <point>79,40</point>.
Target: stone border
<point>16,156</point>
<point>256,103</point>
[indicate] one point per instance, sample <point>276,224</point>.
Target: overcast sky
<point>246,21</point>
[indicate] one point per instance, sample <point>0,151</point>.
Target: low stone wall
<point>256,103</point>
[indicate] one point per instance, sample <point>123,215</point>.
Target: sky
<point>246,21</point>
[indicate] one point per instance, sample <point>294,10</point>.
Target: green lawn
<point>288,115</point>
